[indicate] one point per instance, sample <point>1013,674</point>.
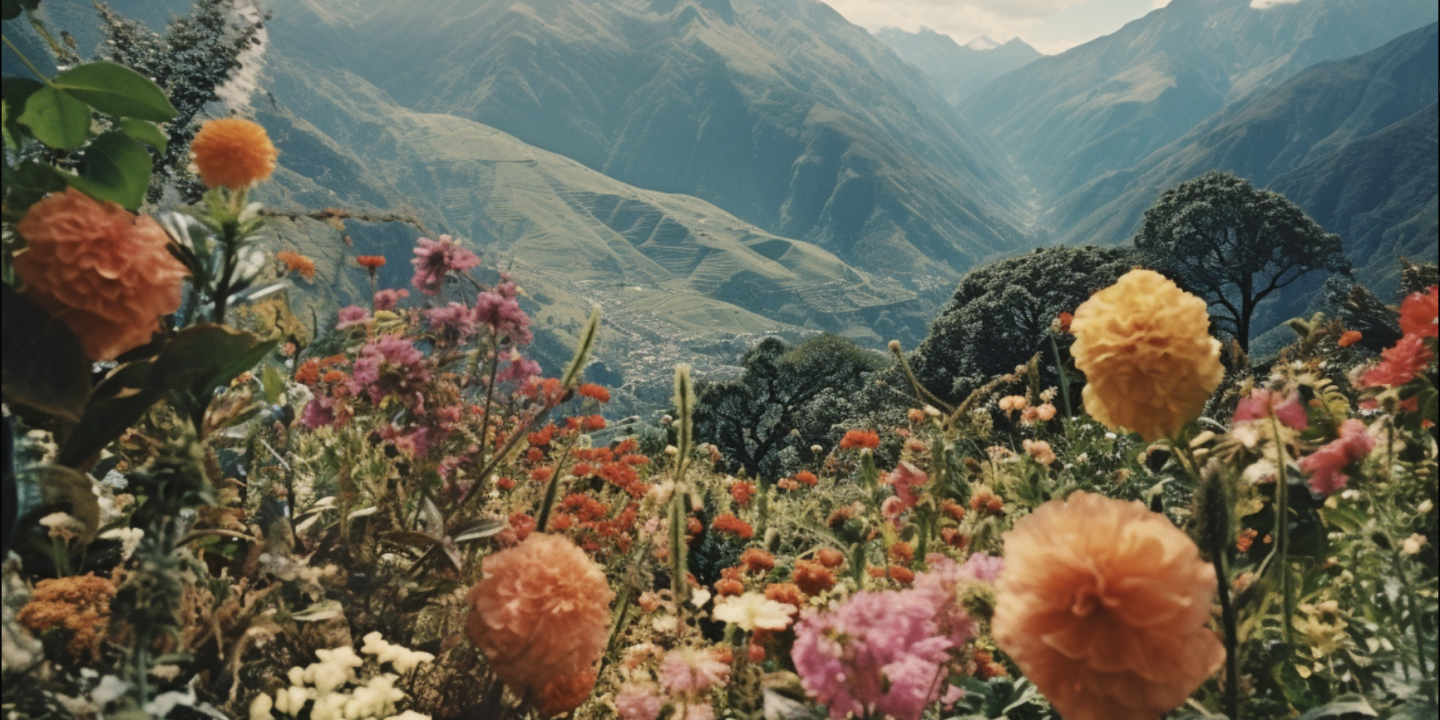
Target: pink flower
<point>942,582</point>
<point>390,366</point>
<point>1399,364</point>
<point>639,701</point>
<point>319,412</point>
<point>892,508</point>
<point>434,259</point>
<point>388,299</point>
<point>352,316</point>
<point>1263,403</point>
<point>1326,465</point>
<point>503,314</point>
<point>693,712</point>
<point>907,479</point>
<point>877,653</point>
<point>519,370</point>
<point>691,671</point>
<point>453,321</point>
<point>1418,313</point>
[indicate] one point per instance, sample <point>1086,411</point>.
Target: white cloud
<point>964,21</point>
<point>1267,4</point>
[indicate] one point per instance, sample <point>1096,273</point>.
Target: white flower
<point>1259,472</point>
<point>1412,544</point>
<point>1425,507</point>
<point>63,525</point>
<point>129,540</point>
<point>261,706</point>
<point>753,610</point>
<point>699,596</point>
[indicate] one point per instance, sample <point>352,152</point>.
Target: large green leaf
<point>145,132</point>
<point>114,89</point>
<point>56,118</point>
<point>27,184</point>
<point>204,357</point>
<point>115,404</point>
<point>117,168</point>
<point>41,360</point>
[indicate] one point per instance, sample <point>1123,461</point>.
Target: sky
<point>1051,26</point>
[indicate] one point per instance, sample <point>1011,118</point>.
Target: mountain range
<point>957,71</point>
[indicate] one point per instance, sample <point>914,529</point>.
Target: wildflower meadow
<point>401,513</point>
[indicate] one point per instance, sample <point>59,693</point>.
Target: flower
<point>1325,466</point>
<point>1104,604</point>
<point>1264,403</point>
<point>389,366</point>
<point>352,316</point>
<point>757,560</point>
<point>876,653</point>
<point>693,671</point>
<point>1040,451</point>
<point>370,262</point>
<point>1145,348</point>
<point>753,610</point>
<point>1418,313</point>
<point>501,311</point>
<point>863,439</point>
<point>1349,337</point>
<point>596,392</point>
<point>436,258</point>
<point>565,693</point>
<point>830,557</point>
<point>907,479</point>
<point>812,577</point>
<point>233,153</point>
<point>639,701</point>
<point>728,523</point>
<point>101,270</point>
<point>78,605</point>
<point>388,299</point>
<point>297,263</point>
<point>453,320</point>
<point>1398,365</point>
<point>1414,544</point>
<point>541,612</point>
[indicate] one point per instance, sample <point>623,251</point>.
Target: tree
<point>1001,313</point>
<point>786,398</point>
<point>1234,245</point>
<point>192,61</point>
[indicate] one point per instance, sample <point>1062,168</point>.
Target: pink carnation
<point>1326,466</point>
<point>388,299</point>
<point>691,671</point>
<point>434,259</point>
<point>390,366</point>
<point>907,479</point>
<point>877,653</point>
<point>639,701</point>
<point>1263,403</point>
<point>352,316</point>
<point>1399,364</point>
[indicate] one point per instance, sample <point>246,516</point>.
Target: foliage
<point>1234,245</point>
<point>1012,304</point>
<point>786,398</point>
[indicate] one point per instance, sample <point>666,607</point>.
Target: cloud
<point>1267,4</point>
<point>964,21</point>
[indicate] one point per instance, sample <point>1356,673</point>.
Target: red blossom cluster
<point>857,439</point>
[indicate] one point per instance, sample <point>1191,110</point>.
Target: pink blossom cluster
<point>1326,466</point>
<point>453,322</point>
<point>685,677</point>
<point>388,299</point>
<point>434,259</point>
<point>391,366</point>
<point>499,308</point>
<point>1264,403</point>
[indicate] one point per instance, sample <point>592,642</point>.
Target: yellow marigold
<point>233,152</point>
<point>1104,605</point>
<point>100,269</point>
<point>542,612</point>
<point>1145,348</point>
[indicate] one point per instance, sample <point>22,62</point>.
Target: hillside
<point>676,276</point>
<point>1352,142</point>
<point>778,111</point>
<point>957,71</point>
<point>1103,106</point>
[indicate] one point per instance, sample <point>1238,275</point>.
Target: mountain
<point>1352,142</point>
<point>779,111</point>
<point>957,71</point>
<point>1103,106</point>
<point>675,275</point>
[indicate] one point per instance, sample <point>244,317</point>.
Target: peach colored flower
<point>1349,337</point>
<point>565,693</point>
<point>98,268</point>
<point>233,152</point>
<point>295,262</point>
<point>1145,348</point>
<point>1040,451</point>
<point>1104,606</point>
<point>542,612</point>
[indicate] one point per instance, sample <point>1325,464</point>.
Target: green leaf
<point>116,167</point>
<point>320,611</point>
<point>273,383</point>
<point>146,132</point>
<point>204,357</point>
<point>27,184</point>
<point>1347,519</point>
<point>56,118</point>
<point>42,363</point>
<point>114,89</point>
<point>1342,706</point>
<point>115,404</point>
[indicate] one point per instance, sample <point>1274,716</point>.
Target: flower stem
<point>1064,377</point>
<point>38,75</point>
<point>1227,616</point>
<point>1282,533</point>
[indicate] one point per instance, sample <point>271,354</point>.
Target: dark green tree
<point>1001,313</point>
<point>1234,245</point>
<point>191,61</point>
<point>787,397</point>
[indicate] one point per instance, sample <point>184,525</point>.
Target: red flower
<point>805,477</point>
<point>591,390</point>
<point>1064,321</point>
<point>756,560</point>
<point>1263,403</point>
<point>1418,313</point>
<point>1349,337</point>
<point>860,439</point>
<point>371,262</point>
<point>1399,364</point>
<point>728,523</point>
<point>742,492</point>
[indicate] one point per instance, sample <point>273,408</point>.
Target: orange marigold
<point>370,262</point>
<point>542,612</point>
<point>79,606</point>
<point>1104,605</point>
<point>726,587</point>
<point>297,263</point>
<point>812,577</point>
<point>565,693</point>
<point>728,523</point>
<point>805,477</point>
<point>591,390</point>
<point>1145,348</point>
<point>756,560</point>
<point>866,439</point>
<point>742,492</point>
<point>233,153</point>
<point>1349,337</point>
<point>100,269</point>
<point>788,593</point>
<point>830,557</point>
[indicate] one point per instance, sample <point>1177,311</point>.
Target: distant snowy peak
<point>982,43</point>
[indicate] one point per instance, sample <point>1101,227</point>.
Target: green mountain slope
<point>779,111</point>
<point>957,71</point>
<point>1362,128</point>
<point>673,270</point>
<point>1103,106</point>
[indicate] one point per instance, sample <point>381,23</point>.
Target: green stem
<point>1282,533</point>
<point>1064,376</point>
<point>857,564</point>
<point>1227,616</point>
<point>25,60</point>
<point>1414,621</point>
